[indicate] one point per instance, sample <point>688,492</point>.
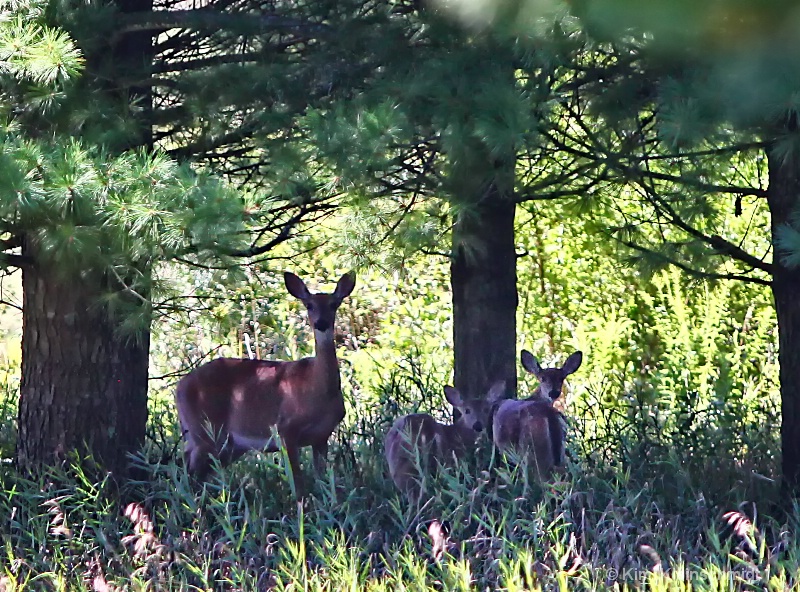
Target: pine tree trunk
<point>84,388</point>
<point>784,189</point>
<point>484,283</point>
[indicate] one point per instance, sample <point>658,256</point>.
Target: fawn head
<point>551,380</point>
<point>321,307</point>
<point>475,414</point>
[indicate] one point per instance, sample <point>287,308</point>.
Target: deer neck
<point>326,366</point>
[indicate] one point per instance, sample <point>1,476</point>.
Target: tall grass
<point>583,530</point>
<point>645,519</point>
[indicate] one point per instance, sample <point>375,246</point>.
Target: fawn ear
<point>453,396</point>
<point>573,362</point>
<point>496,392</point>
<point>295,286</point>
<point>530,363</point>
<point>345,285</point>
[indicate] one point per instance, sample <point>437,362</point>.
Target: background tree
<point>686,111</point>
<point>87,221</point>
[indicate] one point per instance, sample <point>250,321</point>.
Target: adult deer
<point>534,427</point>
<point>230,406</point>
<point>417,442</point>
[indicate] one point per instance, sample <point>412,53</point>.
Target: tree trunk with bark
<point>484,283</point>
<point>784,201</point>
<point>84,387</point>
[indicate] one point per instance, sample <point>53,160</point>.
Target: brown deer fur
<point>533,427</point>
<point>230,406</point>
<point>417,442</point>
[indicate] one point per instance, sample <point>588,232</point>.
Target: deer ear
<point>497,391</point>
<point>530,363</point>
<point>345,285</point>
<point>453,396</point>
<point>573,362</point>
<point>295,286</point>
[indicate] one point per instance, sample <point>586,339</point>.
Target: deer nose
<point>322,325</point>
<point>477,426</point>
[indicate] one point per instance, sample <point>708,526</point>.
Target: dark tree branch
<point>717,242</point>
<point>285,232</point>
<point>163,20</point>
<point>694,184</point>
<point>691,270</point>
<point>11,260</point>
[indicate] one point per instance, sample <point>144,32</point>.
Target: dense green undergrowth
<point>639,510</point>
<point>584,530</point>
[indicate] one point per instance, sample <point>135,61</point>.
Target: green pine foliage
<point>88,212</point>
<point>32,52</point>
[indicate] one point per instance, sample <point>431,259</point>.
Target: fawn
<point>534,427</point>
<point>416,442</point>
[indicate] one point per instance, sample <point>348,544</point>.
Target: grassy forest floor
<point>671,482</point>
<point>652,524</point>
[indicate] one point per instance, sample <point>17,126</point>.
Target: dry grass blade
<point>742,527</point>
<point>143,540</point>
<point>439,533</point>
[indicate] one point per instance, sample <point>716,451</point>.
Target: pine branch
<point>717,242</point>
<point>693,183</point>
<point>191,263</point>
<point>205,62</point>
<point>599,152</point>
<point>720,151</point>
<point>691,270</point>
<point>163,20</point>
<point>204,146</point>
<point>286,231</point>
<point>10,304</point>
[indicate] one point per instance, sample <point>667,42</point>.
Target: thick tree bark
<point>84,388</point>
<point>784,201</point>
<point>484,283</point>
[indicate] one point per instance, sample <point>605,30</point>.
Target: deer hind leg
<point>402,469</point>
<point>197,458</point>
<point>407,479</point>
<point>201,447</point>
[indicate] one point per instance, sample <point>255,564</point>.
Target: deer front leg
<point>320,451</point>
<point>293,455</point>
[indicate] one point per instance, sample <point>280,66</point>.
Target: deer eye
<point>467,411</point>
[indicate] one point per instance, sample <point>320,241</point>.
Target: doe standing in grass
<point>230,406</point>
